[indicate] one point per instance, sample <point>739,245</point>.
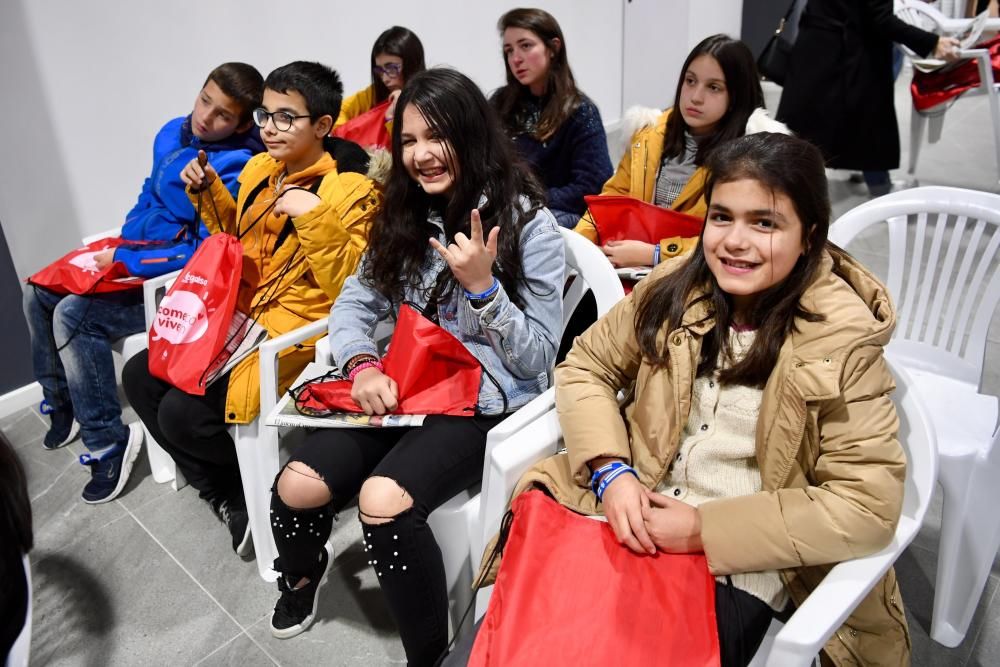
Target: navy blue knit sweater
<point>574,162</point>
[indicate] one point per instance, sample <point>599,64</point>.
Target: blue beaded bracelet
<point>484,295</point>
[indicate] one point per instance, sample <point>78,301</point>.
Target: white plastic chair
<point>456,523</point>
<point>943,274</point>
<point>617,142</point>
<point>800,640</point>
<point>926,17</point>
<point>21,650</point>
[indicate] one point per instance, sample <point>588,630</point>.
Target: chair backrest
<point>920,15</point>
<point>586,266</point>
<point>616,140</point>
<point>942,274</point>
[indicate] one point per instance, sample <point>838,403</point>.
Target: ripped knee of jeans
<point>300,487</point>
<point>381,500</point>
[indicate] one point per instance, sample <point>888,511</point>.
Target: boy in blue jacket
<point>71,335</point>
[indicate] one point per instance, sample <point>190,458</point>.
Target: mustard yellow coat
<point>303,277</point>
<point>636,177</point>
<point>831,466</point>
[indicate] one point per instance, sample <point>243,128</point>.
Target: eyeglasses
<point>282,119</point>
<point>389,69</point>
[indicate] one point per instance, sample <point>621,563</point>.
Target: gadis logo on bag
<point>181,317</point>
<point>85,261</point>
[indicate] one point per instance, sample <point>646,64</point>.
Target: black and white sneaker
<point>296,608</point>
<point>238,522</point>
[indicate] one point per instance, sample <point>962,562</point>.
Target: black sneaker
<point>296,608</point>
<point>109,474</point>
<point>63,430</point>
<point>238,522</point>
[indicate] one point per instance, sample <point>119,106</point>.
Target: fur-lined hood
<point>637,117</point>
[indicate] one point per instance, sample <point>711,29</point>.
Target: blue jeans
<point>71,340</point>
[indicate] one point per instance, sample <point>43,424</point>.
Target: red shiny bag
<point>435,374</point>
<point>568,594</point>
<point>77,273</point>
<point>930,89</point>
<point>192,322</point>
<point>367,129</point>
<point>619,217</point>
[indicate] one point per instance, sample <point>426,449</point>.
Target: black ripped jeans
<point>432,463</point>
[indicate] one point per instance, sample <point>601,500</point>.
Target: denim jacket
<point>516,346</point>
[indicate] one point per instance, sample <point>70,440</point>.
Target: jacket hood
<point>639,117</point>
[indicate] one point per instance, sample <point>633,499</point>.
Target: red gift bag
<point>929,89</point>
<point>620,217</point>
<point>435,374</point>
<point>77,273</point>
<point>192,321</point>
<point>568,594</point>
<point>367,129</point>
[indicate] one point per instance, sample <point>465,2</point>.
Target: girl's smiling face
<point>428,159</point>
<point>752,240</point>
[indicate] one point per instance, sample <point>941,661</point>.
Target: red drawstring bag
<point>435,374</point>
<point>367,129</point>
<point>192,321</point>
<point>568,594</point>
<point>76,272</point>
<point>619,217</point>
<point>929,89</point>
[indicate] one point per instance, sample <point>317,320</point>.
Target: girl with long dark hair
<point>718,98</point>
<point>554,125</point>
<point>757,426</point>
<point>462,233</point>
<point>397,55</point>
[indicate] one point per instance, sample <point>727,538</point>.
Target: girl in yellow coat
<point>299,246</point>
<point>757,426</point>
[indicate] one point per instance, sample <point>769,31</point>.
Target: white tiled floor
<point>150,579</point>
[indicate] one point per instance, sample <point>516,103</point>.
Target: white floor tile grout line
<point>199,584</point>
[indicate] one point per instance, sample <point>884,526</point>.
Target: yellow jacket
<point>636,177</point>
<point>302,277</point>
<point>831,466</point>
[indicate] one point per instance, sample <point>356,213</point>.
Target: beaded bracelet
<point>362,366</point>
<point>483,295</point>
<point>656,254</point>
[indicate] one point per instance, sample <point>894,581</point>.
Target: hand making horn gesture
<point>470,259</point>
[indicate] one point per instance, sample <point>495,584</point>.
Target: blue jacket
<point>517,346</point>
<point>164,213</point>
<point>573,162</point>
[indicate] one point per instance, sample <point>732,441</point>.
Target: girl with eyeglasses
<point>555,127</point>
<point>396,56</point>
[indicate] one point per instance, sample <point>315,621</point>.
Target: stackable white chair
<point>799,641</point>
<point>456,523</point>
<point>923,15</point>
<point>944,277</point>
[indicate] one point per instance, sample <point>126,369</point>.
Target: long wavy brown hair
<point>561,95</point>
<point>782,164</point>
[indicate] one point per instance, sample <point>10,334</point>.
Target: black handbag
<point>774,59</point>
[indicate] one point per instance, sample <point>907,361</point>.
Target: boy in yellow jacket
<point>303,224</point>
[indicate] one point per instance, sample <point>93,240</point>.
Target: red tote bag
<point>192,321</point>
<point>929,89</point>
<point>435,374</point>
<point>367,129</point>
<point>619,217</point>
<point>568,594</point>
<point>77,273</point>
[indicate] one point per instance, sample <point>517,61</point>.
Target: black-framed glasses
<point>389,69</point>
<point>282,119</point>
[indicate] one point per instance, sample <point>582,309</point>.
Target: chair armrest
<point>523,416</point>
<point>153,290</point>
<point>829,605</point>
<point>269,351</point>
<point>106,234</point>
<point>509,460</point>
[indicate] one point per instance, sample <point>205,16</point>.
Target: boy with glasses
<point>303,222</point>
<point>71,335</point>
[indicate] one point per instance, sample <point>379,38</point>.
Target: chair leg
<point>917,123</point>
<point>257,452</point>
<point>163,467</point>
<point>970,537</point>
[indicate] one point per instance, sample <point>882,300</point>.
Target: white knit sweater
<point>717,458</point>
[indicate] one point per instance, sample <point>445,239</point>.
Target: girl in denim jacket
<point>462,233</point>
